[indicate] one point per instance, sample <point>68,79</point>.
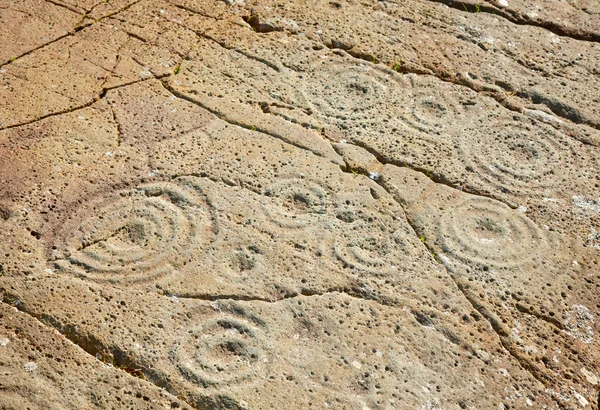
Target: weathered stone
<point>40,369</point>
<point>261,204</point>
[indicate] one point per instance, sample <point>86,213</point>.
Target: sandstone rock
<point>287,205</point>
<point>42,370</point>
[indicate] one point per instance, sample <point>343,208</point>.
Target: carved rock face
<point>289,205</point>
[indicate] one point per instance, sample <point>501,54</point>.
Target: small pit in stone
<point>526,153</point>
<point>229,348</point>
<point>260,26</point>
<point>300,202</point>
<point>487,229</point>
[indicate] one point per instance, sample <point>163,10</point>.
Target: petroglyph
<point>136,235</point>
<point>288,204</point>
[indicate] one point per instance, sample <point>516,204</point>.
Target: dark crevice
<point>434,176</point>
<point>548,319</point>
<point>254,21</point>
<point>114,67</point>
<point>255,58</point>
<point>357,293</point>
<point>15,58</point>
<point>93,101</point>
<point>84,16</point>
<point>528,65</point>
<point>246,54</point>
<point>124,360</point>
<point>118,125</point>
<point>456,79</point>
<point>136,36</point>
<point>64,6</point>
<point>495,323</point>
<point>130,22</point>
<point>193,11</point>
<point>91,9</point>
<point>83,342</point>
<point>93,346</point>
<point>225,118</point>
<point>266,108</point>
<point>558,108</point>
<point>223,44</point>
<point>402,67</point>
<point>35,82</point>
<point>25,12</point>
<point>122,9</point>
<point>521,19</point>
<point>472,41</point>
<point>503,334</point>
<point>141,64</point>
<point>78,27</point>
<point>54,114</point>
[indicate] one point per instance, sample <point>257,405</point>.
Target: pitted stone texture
<point>331,349</point>
<point>264,204</point>
<point>40,164</point>
<point>29,102</point>
<point>26,25</point>
<point>447,131</point>
<point>358,160</point>
<point>40,369</point>
<point>136,235</point>
<point>75,71</point>
<point>478,49</point>
<point>266,226</point>
<point>87,62</point>
<point>578,19</point>
<point>157,43</point>
<point>147,113</point>
<point>504,263</point>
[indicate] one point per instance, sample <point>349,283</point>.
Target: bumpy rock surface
<point>266,204</point>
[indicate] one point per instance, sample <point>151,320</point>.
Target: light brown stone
<point>264,204</point>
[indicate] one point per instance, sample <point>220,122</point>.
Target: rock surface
<point>265,204</point>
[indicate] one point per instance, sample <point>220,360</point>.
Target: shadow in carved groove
<point>346,94</point>
<point>375,244</point>
<point>136,235</point>
<point>221,351</point>
<point>431,110</point>
<point>519,157</point>
<point>486,233</point>
<point>296,202</point>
